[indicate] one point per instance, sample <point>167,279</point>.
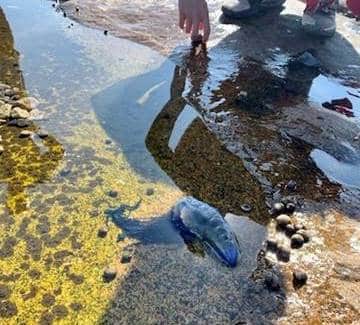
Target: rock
<point>271,245</point>
<point>299,278</point>
<point>304,234</point>
<point>9,92</point>
<point>120,237</point>
<point>25,134</point>
<point>113,194</point>
<point>105,32</point>
<point>18,112</point>
<point>109,274</point>
<point>289,230</point>
<point>150,191</point>
<point>246,207</point>
<point>5,111</point>
<point>102,232</point>
<point>42,134</point>
<point>277,208</point>
<point>283,253</point>
<point>305,59</point>
<point>21,123</point>
<point>108,141</point>
<point>272,281</point>
<point>266,167</point>
<point>65,172</point>
<point>282,220</point>
<point>1,149</point>
<point>28,103</point>
<point>2,121</point>
<point>298,226</point>
<point>126,257</point>
<point>4,86</point>
<point>296,241</point>
<point>291,185</point>
<point>290,207</point>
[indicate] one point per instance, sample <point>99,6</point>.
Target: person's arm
<point>193,17</point>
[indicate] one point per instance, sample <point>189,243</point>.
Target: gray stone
<point>291,185</point>
<point>246,207</point>
<point>283,253</point>
<point>126,257</point>
<point>113,194</point>
<point>289,229</point>
<point>5,111</point>
<point>304,234</point>
<point>102,232</point>
<point>149,191</point>
<point>42,134</point>
<point>28,103</point>
<point>297,241</point>
<point>282,220</point>
<point>299,278</point>
<point>25,134</point>
<point>109,274</point>
<point>278,208</point>
<point>298,226</point>
<point>20,113</point>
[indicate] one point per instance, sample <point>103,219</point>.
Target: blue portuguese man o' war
<point>198,219</point>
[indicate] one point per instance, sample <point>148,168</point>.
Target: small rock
<point>246,207</point>
<point>102,232</point>
<point>278,208</point>
<point>266,167</point>
<point>289,230</point>
<point>2,121</point>
<point>1,149</point>
<point>94,213</point>
<point>18,112</point>
<point>299,278</point>
<point>305,59</point>
<point>120,237</point>
<point>42,134</point>
<point>28,103</point>
<point>25,134</point>
<point>9,92</point>
<point>150,191</point>
<point>298,226</point>
<point>296,241</point>
<point>105,32</point>
<point>108,141</point>
<point>282,220</point>
<point>109,274</point>
<point>290,207</point>
<point>5,111</point>
<point>272,281</point>
<point>291,185</point>
<point>283,253</point>
<point>21,123</point>
<point>304,234</point>
<point>126,257</point>
<point>113,194</point>
<point>64,14</point>
<point>77,9</point>
<point>271,244</point>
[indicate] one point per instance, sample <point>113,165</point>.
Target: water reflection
<point>229,111</point>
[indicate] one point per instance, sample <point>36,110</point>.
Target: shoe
<point>248,8</point>
<point>319,18</point>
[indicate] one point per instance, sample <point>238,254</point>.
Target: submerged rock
<point>299,278</point>
<point>198,219</point>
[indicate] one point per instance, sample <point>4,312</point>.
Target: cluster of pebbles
<point>16,110</point>
<point>297,233</point>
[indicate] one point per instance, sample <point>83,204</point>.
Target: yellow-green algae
<point>95,253</point>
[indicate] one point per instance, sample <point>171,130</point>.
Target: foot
<point>319,18</point>
<point>248,8</point>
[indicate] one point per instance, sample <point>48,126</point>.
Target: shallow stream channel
<point>119,126</point>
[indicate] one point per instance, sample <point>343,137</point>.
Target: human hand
<point>193,17</point>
